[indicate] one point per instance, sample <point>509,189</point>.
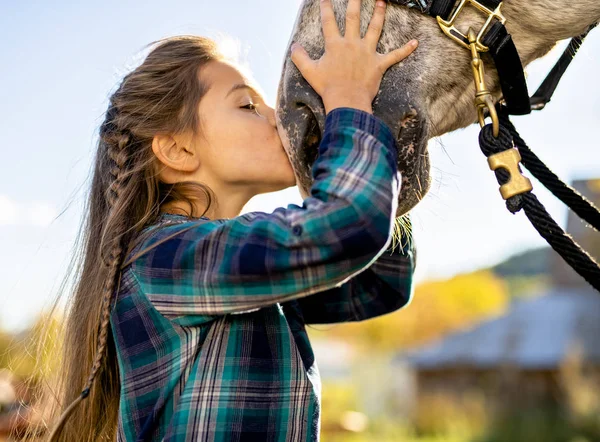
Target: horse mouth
<point>413,158</point>
<point>413,161</point>
<point>302,130</point>
<point>312,139</point>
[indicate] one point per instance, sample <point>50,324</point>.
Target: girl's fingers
<point>301,59</point>
<point>330,27</point>
<point>397,55</point>
<point>376,25</point>
<point>353,19</point>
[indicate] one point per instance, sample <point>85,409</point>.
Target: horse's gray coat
<point>426,95</point>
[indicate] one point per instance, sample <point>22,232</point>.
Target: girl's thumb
<point>300,58</point>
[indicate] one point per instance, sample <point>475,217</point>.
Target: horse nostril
<point>300,105</point>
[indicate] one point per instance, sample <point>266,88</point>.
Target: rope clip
<point>509,160</point>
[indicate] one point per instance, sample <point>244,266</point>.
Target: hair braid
<point>119,155</point>
<point>117,152</point>
<point>126,195</point>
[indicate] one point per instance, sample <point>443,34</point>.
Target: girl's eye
<point>250,106</point>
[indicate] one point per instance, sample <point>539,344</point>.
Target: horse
<point>428,94</point>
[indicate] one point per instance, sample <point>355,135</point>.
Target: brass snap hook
<point>483,97</point>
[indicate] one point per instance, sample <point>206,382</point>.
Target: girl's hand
<point>349,72</point>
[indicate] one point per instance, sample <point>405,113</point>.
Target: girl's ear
<point>173,153</point>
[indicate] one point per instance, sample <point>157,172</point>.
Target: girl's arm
<point>258,259</point>
<point>386,286</point>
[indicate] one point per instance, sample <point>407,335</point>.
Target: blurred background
<point>501,341</point>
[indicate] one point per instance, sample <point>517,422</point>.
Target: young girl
<point>188,319</point>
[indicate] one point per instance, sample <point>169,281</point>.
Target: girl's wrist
<point>355,104</point>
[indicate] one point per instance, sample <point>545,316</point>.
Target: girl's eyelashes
<point>252,107</point>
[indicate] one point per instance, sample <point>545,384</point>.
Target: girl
<point>188,320</point>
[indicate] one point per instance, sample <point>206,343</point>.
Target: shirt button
<point>297,230</point>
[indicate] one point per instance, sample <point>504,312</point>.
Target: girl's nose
<point>269,113</point>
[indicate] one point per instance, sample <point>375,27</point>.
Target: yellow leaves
<point>437,308</point>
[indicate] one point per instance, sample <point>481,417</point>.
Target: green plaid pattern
<point>209,324</point>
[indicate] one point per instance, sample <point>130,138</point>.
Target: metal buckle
<point>509,160</point>
<point>451,31</point>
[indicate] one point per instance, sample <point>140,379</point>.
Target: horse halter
<point>495,39</point>
<point>498,140</point>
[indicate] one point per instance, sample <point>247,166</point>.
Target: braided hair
<point>126,195</point>
<point>159,96</point>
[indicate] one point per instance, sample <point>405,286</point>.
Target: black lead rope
<point>558,239</point>
<point>583,207</point>
<point>517,190</point>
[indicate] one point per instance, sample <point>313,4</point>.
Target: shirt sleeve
<point>199,269</point>
<point>384,287</point>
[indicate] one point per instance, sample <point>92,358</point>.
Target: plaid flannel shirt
<point>209,325</point>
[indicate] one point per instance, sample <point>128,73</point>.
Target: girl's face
<point>238,153</point>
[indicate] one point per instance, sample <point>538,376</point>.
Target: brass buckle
<point>509,160</point>
<point>451,31</point>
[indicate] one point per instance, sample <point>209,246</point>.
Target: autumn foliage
<point>436,308</point>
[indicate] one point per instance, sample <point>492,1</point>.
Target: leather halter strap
<point>506,57</point>
<point>435,8</point>
<point>501,48</point>
<point>542,96</point>
<point>510,69</point>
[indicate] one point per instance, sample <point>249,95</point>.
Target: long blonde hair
<point>159,96</point>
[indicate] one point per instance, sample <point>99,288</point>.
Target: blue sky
<point>61,61</point>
